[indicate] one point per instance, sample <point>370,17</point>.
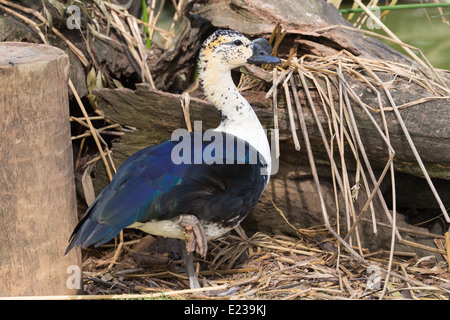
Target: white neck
<point>238,117</point>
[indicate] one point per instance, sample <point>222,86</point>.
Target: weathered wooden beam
<point>38,207</point>
<point>156,114</point>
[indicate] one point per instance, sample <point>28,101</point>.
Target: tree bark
<point>37,194</point>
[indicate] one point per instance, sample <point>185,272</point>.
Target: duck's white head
<point>228,49</point>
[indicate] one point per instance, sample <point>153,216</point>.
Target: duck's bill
<point>261,53</point>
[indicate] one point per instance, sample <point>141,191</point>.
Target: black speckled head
<point>212,39</point>
<point>226,48</point>
<point>223,51</point>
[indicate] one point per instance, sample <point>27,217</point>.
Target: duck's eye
<point>237,42</point>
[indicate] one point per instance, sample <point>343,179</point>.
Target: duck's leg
<point>188,259</point>
<point>195,235</point>
<point>195,240</point>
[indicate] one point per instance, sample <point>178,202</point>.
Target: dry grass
<point>276,268</point>
<point>325,75</point>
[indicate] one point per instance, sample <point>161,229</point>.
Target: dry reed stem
<point>275,116</point>
<point>425,64</point>
<point>185,101</point>
<point>290,112</point>
<point>120,296</point>
<point>145,70</point>
<point>178,14</point>
<point>130,40</point>
<point>152,26</point>
<point>95,134</point>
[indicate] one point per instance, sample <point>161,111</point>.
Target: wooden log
<point>37,194</point>
<point>301,19</point>
<point>155,114</point>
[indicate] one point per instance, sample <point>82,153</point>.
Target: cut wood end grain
<point>19,53</point>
